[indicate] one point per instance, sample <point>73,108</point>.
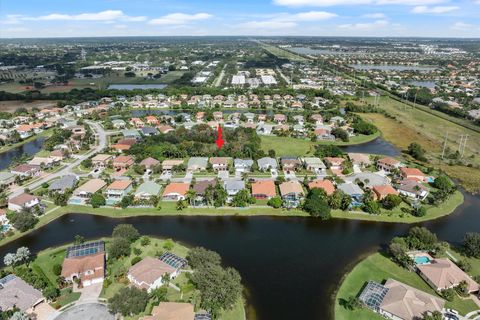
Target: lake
<point>30,148</point>
<point>385,67</point>
<point>376,146</point>
<point>317,52</point>
<point>136,86</point>
<point>291,266</point>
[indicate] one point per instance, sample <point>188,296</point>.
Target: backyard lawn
<point>378,267</point>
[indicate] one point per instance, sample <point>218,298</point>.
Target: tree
<point>275,202</point>
<point>471,244</point>
<point>119,247</point>
<point>416,151</point>
<point>341,134</point>
<point>435,315</point>
<point>9,259</point>
<point>18,315</point>
<point>444,183</point>
<point>159,294</point>
<point>181,204</point>
<point>128,301</point>
<point>57,269</point>
<point>371,206</point>
<point>51,293</point>
<point>24,220</point>
<point>242,199</point>
<point>200,257</point>
<point>420,238</point>
<point>353,303</point>
<point>419,211</point>
<point>398,248</point>
<point>126,231</point>
<point>328,150</point>
<point>78,239</point>
<point>126,201</point>
<point>316,204</point>
<point>462,288</point>
<point>448,294</point>
<point>97,200</point>
<point>145,241</point>
<point>464,265</point>
<point>22,255</point>
<point>391,201</point>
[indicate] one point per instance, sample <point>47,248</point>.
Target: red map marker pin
<point>219,140</point>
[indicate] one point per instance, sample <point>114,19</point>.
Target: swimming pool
<point>421,260</point>
<point>4,228</point>
<point>75,201</point>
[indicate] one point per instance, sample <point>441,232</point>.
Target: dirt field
<point>11,106</point>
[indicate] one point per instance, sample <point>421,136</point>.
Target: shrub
<point>136,260</point>
<point>57,269</point>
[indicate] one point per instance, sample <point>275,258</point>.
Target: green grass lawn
<point>289,146</point>
<point>45,261</point>
<point>378,267</point>
<point>67,297</point>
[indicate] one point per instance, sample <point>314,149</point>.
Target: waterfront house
<point>23,201</point>
<point>101,160</point>
<point>118,189</point>
<point>413,174</point>
<point>63,184</point>
<point>85,262</point>
<point>267,163</point>
<point>412,189</point>
<point>380,192</point>
<point>263,189</point>
<point>175,191</point>
<point>234,186</point>
<point>43,162</point>
<point>147,189</point>
<point>325,185</point>
<point>86,190</point>
<point>334,163</point>
<point>442,274</point>
<point>398,301</point>
<point>200,189</point>
<point>354,191</point>
<point>148,274</point>
<point>367,179</point>
<point>15,293</point>
<point>291,192</point>
<point>359,160</point>
<point>388,164</point>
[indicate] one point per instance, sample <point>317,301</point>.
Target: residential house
<point>175,191</point>
<point>314,164</point>
<point>263,189</point>
<point>442,274</point>
<point>380,192</point>
<point>147,189</point>
<point>165,128</point>
<point>101,160</point>
<point>123,162</point>
<point>412,189</point>
<point>42,162</point>
<point>233,186</point>
<point>267,163</point>
<point>354,191</point>
<point>291,192</point>
<point>388,164</point>
<point>323,184</point>
<point>119,124</point>
<point>413,174</point>
<point>289,163</point>
<point>118,189</point>
<point>148,274</point>
<point>243,165</point>
<point>174,311</point>
<point>264,129</point>
<point>85,262</point>
<point>7,179</point>
<point>359,160</point>
<point>137,122</point>
<point>334,162</point>
<point>200,188</point>
<point>16,293</point>
<point>197,164</point>
<point>131,134</point>
<point>317,118</point>
<point>86,190</point>
<point>149,163</point>
<point>149,131</point>
<point>152,120</point>
<point>367,179</point>
<point>219,163</point>
<point>323,133</point>
<point>398,301</point>
<point>63,184</point>
<point>123,145</point>
<point>26,170</point>
<point>169,164</point>
<point>280,118</point>
<point>23,201</point>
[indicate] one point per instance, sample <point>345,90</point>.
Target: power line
<point>444,145</point>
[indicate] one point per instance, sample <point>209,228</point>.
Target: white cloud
<point>310,16</point>
<point>328,3</point>
<point>374,16</point>
<point>365,26</point>
<point>179,18</point>
<point>269,24</point>
<point>105,16</point>
<point>462,26</point>
<point>287,20</point>
<point>434,10</point>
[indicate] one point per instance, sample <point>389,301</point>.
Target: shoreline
<point>44,134</point>
<point>457,200</point>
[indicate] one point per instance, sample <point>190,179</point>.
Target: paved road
<point>67,169</point>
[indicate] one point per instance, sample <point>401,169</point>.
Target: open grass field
<point>379,268</point>
<point>288,146</point>
<point>12,106</point>
<point>429,131</point>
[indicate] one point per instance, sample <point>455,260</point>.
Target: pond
<point>30,148</point>
<point>291,266</point>
<point>377,146</point>
<point>136,86</point>
<point>317,52</point>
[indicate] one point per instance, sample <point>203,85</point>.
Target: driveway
<point>44,311</point>
<point>88,311</point>
<point>89,293</point>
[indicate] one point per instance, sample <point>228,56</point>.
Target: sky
<point>93,18</point>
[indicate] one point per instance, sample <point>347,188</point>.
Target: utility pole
<point>444,145</point>
<point>460,144</point>
<point>464,145</point>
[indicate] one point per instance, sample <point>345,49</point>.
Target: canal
<point>30,148</point>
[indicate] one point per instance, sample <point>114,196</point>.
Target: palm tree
<point>190,196</point>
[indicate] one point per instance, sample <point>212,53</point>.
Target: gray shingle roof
<point>65,182</point>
